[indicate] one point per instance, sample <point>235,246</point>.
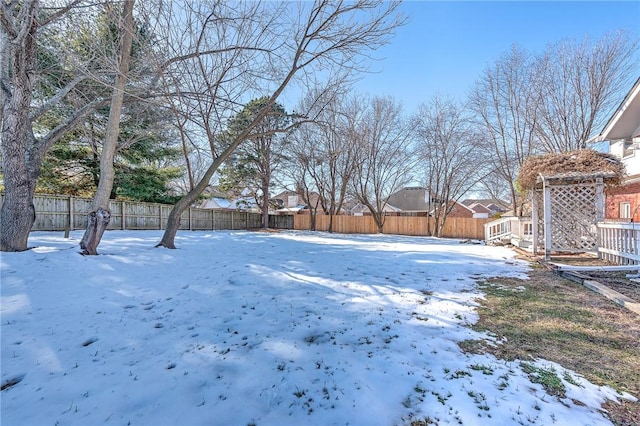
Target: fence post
<point>190,220</point>
<point>124,218</point>
<point>69,226</point>
<point>160,216</point>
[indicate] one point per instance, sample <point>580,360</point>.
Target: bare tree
<point>493,185</point>
<point>446,140</point>
<point>21,22</point>
<point>580,83</point>
<point>505,102</point>
<point>384,161</point>
<point>100,214</point>
<point>322,158</point>
<point>235,50</point>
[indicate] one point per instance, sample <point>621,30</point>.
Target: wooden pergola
<point>565,210</point>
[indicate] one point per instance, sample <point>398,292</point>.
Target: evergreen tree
<point>146,141</point>
<point>252,166</point>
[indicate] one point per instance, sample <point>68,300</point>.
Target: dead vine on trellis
<point>583,162</point>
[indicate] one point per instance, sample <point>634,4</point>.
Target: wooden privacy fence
<point>455,227</point>
<point>59,213</point>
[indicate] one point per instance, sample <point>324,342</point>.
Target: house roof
<point>359,207</point>
<point>412,198</point>
<point>214,203</point>
<point>490,203</point>
<point>313,201</point>
<point>453,204</point>
<point>625,122</point>
<point>479,208</point>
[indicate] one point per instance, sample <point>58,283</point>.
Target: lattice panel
<point>573,216</point>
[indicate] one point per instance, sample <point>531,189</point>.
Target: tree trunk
<point>428,213</point>
<point>98,222</point>
<point>100,214</point>
<point>265,204</point>
<point>379,219</point>
<point>440,227</point>
<point>313,214</point>
<point>437,224</point>
<point>20,176</point>
<point>20,156</point>
<point>173,221</point>
<point>16,219</point>
<point>514,201</point>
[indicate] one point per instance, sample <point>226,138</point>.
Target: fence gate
<point>566,209</point>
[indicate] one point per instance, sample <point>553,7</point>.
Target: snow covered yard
<point>241,328</point>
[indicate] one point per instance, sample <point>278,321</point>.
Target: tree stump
<point>98,222</point>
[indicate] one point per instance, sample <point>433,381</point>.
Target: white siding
<point>631,162</point>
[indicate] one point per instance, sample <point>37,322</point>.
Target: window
<point>627,148</point>
<point>625,210</point>
<point>292,201</point>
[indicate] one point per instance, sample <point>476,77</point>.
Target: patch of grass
<point>442,399</point>
<point>484,368</point>
<point>562,321</point>
<point>570,379</point>
<point>480,400</point>
<point>427,421</point>
<point>548,378</point>
<point>475,346</point>
<point>458,374</point>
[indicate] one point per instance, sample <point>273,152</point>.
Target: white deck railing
<point>619,242</point>
<point>508,228</point>
<point>497,230</point>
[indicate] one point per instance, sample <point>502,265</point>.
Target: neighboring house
<point>216,199</point>
<point>245,204</point>
<point>221,201</point>
<point>460,210</point>
<point>495,206</point>
<point>215,203</point>
<point>473,211</point>
<point>622,131</point>
<point>360,209</point>
<point>411,199</point>
<point>290,202</point>
<point>480,211</point>
<point>416,199</point>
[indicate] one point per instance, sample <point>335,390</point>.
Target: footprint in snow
<point>89,341</point>
<point>12,381</point>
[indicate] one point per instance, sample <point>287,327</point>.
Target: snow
<point>288,328</point>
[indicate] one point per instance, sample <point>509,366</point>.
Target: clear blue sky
<point>446,44</point>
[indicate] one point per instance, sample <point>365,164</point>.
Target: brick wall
<point>459,210</point>
<point>629,193</point>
